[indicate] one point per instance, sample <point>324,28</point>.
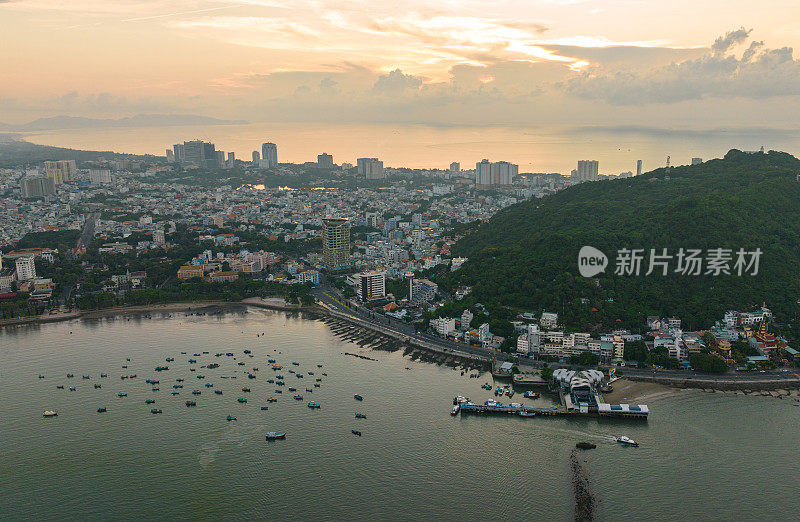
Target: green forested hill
<point>526,255</point>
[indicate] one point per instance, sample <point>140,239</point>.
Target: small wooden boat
<point>101,410</point>
<point>242,400</point>
<point>50,413</point>
<point>313,405</point>
<point>230,418</point>
<point>154,410</point>
<point>272,435</point>
<point>360,416</point>
<point>356,432</point>
<point>358,397</point>
<point>585,445</point>
<point>191,403</point>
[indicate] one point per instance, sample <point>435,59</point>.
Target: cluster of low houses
<point>544,337</point>
<point>209,266</point>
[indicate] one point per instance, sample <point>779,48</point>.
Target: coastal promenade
<point>769,380</point>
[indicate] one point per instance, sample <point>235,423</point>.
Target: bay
<point>710,456</point>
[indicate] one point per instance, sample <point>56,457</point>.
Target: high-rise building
<point>170,155</point>
<point>179,153</point>
<point>638,167</point>
<point>196,152</point>
<point>219,156</point>
<point>210,156</point>
<point>370,168</point>
<point>60,171</point>
<point>697,161</point>
<point>372,285</point>
<point>269,154</point>
<point>455,167</point>
<point>193,153</point>
<point>231,160</point>
<point>100,176</point>
<point>336,243</point>
<point>37,187</point>
<point>325,161</point>
<point>256,157</point>
<point>588,170</point>
<point>488,174</point>
<point>26,269</point>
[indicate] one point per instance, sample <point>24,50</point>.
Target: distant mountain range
<point>140,120</point>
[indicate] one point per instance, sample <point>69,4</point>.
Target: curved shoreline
<point>699,381</point>
<point>151,308</point>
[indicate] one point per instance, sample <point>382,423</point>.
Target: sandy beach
<point>635,392</point>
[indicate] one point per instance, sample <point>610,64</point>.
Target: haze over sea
<point>535,149</point>
<point>709,456</point>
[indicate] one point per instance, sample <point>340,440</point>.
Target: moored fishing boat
<point>272,435</point>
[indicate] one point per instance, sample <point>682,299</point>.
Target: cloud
<point>722,44</point>
<point>759,73</point>
<point>396,83</point>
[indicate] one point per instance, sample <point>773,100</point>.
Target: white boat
<point>492,402</point>
<point>49,413</point>
<point>455,409</point>
<point>625,441</point>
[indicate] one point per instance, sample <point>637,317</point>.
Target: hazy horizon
<point>463,63</point>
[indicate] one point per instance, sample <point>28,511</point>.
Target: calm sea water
<point>701,456</point>
<point>535,149</point>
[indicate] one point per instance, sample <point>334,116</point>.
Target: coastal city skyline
<point>460,254</point>
<point>573,63</point>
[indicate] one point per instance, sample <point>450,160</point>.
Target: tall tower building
<point>269,153</point>
<point>455,167</point>
<point>488,174</point>
<point>325,161</point>
<point>26,269</point>
<point>256,157</point>
<point>60,171</point>
<point>638,167</point>
<point>370,168</point>
<point>336,243</point>
<point>588,170</point>
<point>37,187</point>
<point>372,285</point>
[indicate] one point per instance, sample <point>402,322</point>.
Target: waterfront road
<point>333,301</point>
<point>790,375</point>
